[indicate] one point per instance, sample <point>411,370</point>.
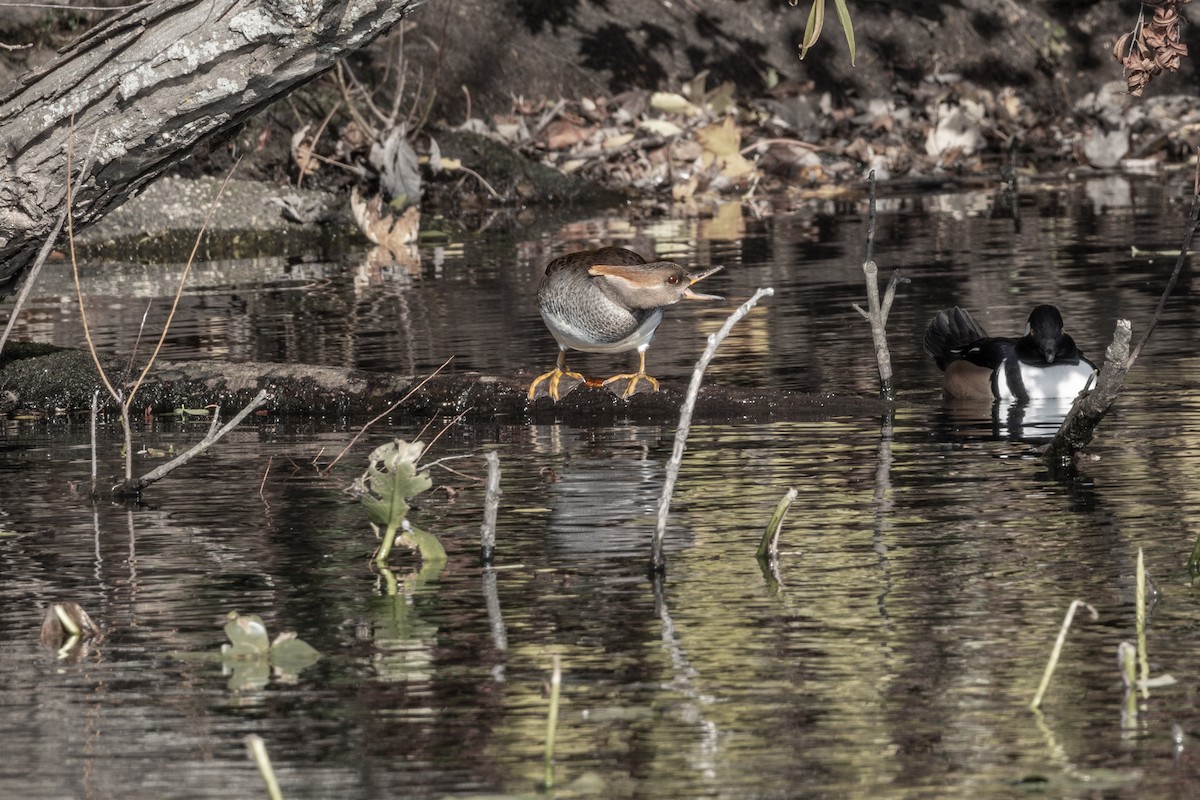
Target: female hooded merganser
<point>608,301</point>
<point>1042,364</point>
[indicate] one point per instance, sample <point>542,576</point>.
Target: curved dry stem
<point>212,207</point>
<point>384,413</point>
<point>658,561</point>
<point>87,332</point>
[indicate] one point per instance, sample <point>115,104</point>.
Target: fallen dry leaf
<point>381,226</point>
<point>673,104</point>
<point>722,143</point>
<point>560,134</point>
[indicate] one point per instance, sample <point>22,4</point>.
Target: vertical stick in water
<point>487,547</point>
<point>552,722</point>
<point>95,411</point>
<point>1127,659</point>
<point>768,546</point>
<point>1057,651</point>
<point>258,752</point>
<point>1140,622</point>
<point>658,561</point>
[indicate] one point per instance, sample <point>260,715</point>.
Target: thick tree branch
<point>156,80</point>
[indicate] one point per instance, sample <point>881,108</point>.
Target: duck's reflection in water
<point>1034,422</point>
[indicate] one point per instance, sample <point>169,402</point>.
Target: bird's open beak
<point>696,277</point>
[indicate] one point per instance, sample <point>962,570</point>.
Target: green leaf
<point>812,30</point>
<point>247,633</point>
<point>291,654</point>
<point>847,25</point>
<point>391,477</point>
<point>431,549</point>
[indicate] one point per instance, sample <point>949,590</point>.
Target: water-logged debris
<point>66,628</point>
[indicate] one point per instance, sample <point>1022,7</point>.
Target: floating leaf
<point>247,634</point>
<point>290,654</point>
<point>426,543</point>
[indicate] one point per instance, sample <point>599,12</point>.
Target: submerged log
<point>153,81</point>
<point>63,382</point>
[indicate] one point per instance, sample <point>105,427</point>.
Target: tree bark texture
<point>1079,427</point>
<point>154,81</point>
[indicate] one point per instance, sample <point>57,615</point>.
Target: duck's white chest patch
<point>1042,382</point>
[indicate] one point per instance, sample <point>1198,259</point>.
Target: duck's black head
<point>1044,340</point>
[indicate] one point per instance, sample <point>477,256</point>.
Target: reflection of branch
<point>132,488</point>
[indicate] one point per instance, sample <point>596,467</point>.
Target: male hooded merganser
<point>608,301</point>
<point>1042,364</point>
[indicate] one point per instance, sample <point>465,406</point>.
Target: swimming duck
<point>1042,364</point>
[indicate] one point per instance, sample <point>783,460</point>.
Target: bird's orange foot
<point>626,386</point>
<point>555,384</point>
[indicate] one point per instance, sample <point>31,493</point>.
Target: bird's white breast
<point>1045,382</point>
<point>570,336</point>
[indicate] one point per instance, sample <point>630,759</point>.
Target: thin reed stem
<point>1052,664</point>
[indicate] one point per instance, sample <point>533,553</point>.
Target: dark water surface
<point>926,565</point>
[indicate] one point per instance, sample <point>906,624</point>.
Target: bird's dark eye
<point>673,279</point>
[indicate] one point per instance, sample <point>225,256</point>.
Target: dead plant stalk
<point>125,401</point>
<point>658,561</point>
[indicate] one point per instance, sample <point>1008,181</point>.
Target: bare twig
<point>308,159</point>
<point>262,485</point>
<point>95,461</point>
<point>1078,428</point>
<point>445,428</point>
<point>383,414</point>
<point>481,179</point>
<point>658,562</point>
<point>879,310</point>
<point>87,333</point>
<point>133,488</point>
<point>491,505</point>
<point>212,207</point>
<point>1180,261</point>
